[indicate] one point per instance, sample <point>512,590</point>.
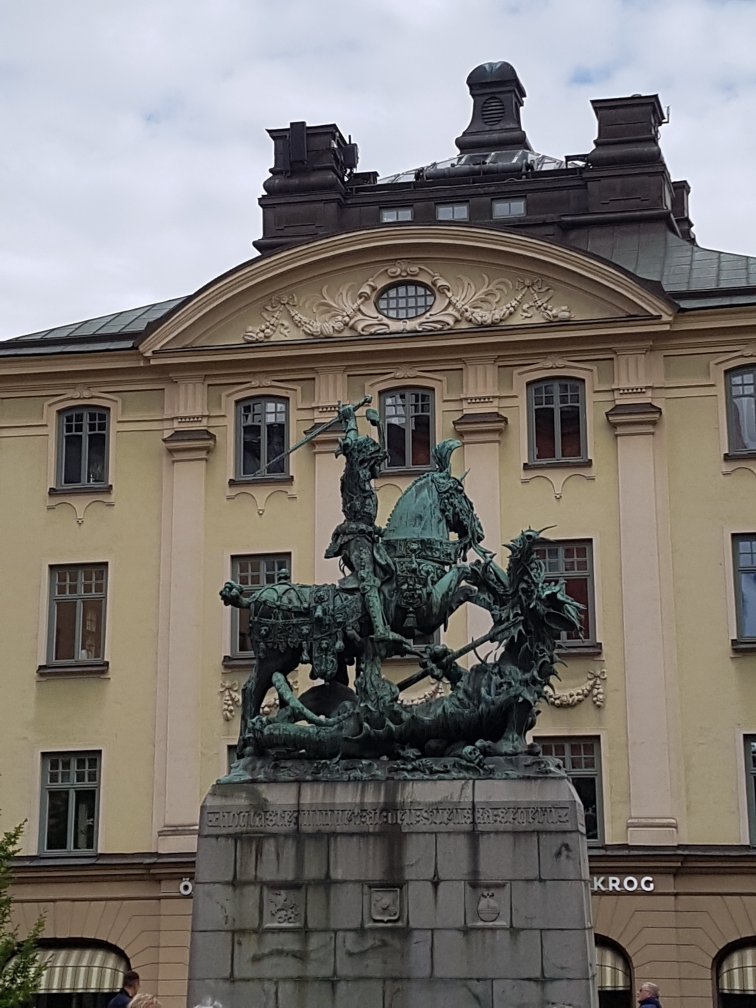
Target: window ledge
<point>237,661</point>
<point>587,650</point>
<point>406,471</point>
<point>743,646</point>
<point>246,480</point>
<point>89,488</point>
<point>734,456</point>
<point>559,464</point>
<point>67,669</point>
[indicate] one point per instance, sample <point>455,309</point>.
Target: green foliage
<point>20,968</point>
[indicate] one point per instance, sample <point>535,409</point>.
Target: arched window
<point>736,977</point>
<point>407,414</point>
<point>613,975</point>
<point>556,421</point>
<point>741,410</point>
<point>262,436</point>
<point>82,458</point>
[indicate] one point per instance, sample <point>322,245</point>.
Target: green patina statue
<point>400,581</point>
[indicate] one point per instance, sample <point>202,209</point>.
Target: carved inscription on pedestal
<point>507,816</point>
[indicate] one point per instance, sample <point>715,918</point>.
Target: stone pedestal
<point>393,894</point>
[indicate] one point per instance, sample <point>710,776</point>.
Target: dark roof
<point>690,274</point>
<point>106,332</point>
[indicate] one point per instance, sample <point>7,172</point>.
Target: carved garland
<point>230,699</point>
<point>593,688</point>
<point>463,300</point>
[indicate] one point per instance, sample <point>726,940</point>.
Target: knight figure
<point>357,541</point>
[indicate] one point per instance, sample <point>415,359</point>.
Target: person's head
<point>131,982</point>
<point>646,990</point>
<point>144,1001</point>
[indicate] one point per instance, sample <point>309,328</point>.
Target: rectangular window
<point>392,215</point>
<point>408,418</point>
<point>77,614</point>
<point>572,562</point>
<point>262,437</point>
<point>744,567</point>
<point>741,410</point>
<point>507,208</point>
<point>750,767</point>
<point>83,447</point>
<point>556,421</point>
<point>253,572</point>
<point>452,211</point>
<point>581,759</point>
<point>70,799</point>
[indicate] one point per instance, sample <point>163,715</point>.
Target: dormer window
<point>501,208</point>
<point>395,215</point>
<point>452,211</point>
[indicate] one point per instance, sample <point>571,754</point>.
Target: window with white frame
<point>394,215</point>
<point>750,769</point>
<point>253,572</point>
<point>581,759</point>
<point>744,569</point>
<point>740,386</point>
<point>77,614</point>
<point>407,415</point>
<point>70,800</point>
<point>502,208</point>
<point>557,421</point>
<point>262,437</point>
<point>571,561</point>
<point>82,455</point>
<point>452,211</point>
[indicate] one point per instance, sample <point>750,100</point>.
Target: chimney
<point>497,96</point>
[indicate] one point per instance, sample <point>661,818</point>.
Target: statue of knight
<point>357,540</point>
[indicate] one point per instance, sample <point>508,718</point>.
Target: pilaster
<point>651,820</point>
<point>179,667</point>
<point>480,434</point>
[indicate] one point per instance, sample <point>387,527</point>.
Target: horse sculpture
<point>326,626</point>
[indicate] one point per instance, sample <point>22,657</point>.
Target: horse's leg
<point>252,696</point>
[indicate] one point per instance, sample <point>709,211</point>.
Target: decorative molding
<point>230,699</point>
<point>190,445</point>
<point>557,476</point>
<point>461,300</point>
<point>592,688</point>
<point>79,503</point>
<point>634,418</point>
<point>260,492</point>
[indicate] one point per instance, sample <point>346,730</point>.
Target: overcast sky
<point>133,145</point>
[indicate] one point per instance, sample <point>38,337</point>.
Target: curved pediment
<point>463,278</point>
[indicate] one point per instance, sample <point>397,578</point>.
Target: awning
<point>737,972</point>
<point>79,970</point>
<point>612,969</point>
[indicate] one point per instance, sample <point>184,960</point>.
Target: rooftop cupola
<point>497,96</point>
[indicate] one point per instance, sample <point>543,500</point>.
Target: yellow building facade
<point>139,472</point>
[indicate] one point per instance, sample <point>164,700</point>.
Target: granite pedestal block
<point>393,894</point>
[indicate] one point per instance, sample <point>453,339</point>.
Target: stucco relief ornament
<point>461,300</point>
<point>230,699</point>
<point>593,687</point>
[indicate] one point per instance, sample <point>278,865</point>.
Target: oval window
<point>405,300</point>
